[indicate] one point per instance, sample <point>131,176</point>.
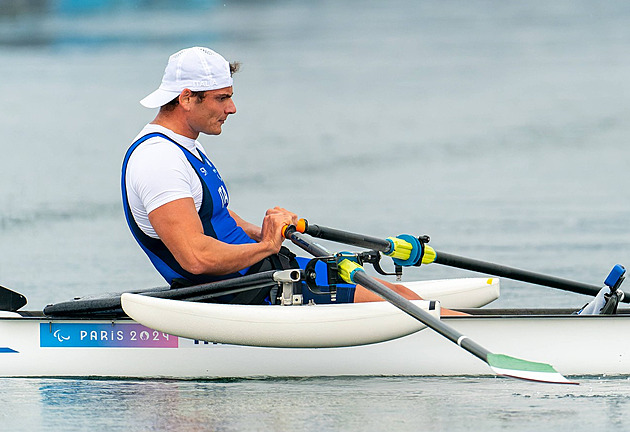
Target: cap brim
<point>159,98</point>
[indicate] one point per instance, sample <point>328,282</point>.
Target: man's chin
<point>215,131</point>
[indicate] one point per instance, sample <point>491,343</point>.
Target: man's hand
<point>271,232</point>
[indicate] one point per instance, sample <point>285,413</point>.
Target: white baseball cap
<point>196,69</point>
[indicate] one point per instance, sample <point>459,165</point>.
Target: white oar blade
<point>527,370</point>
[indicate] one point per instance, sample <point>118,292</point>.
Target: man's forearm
<point>252,230</point>
<point>217,258</point>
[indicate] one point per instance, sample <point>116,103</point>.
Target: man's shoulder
<point>157,154</point>
<point>157,147</point>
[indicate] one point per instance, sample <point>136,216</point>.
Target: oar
<point>513,273</point>
<point>501,364</point>
<point>407,250</point>
<point>11,300</point>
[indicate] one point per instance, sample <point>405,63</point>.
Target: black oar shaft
<point>427,319</point>
<point>348,238</point>
<point>299,240</point>
<point>517,274</point>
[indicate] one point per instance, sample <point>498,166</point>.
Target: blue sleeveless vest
<point>215,218</point>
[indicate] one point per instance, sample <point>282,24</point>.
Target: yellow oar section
<point>429,255</point>
<point>347,269</point>
<point>401,249</point>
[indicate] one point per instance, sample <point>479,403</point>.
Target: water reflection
<point>403,403</point>
<point>138,405</point>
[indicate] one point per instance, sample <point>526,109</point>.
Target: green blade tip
<point>503,361</point>
<point>513,367</point>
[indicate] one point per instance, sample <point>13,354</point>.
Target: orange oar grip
<point>300,227</point>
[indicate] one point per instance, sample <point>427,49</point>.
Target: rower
<point>175,200</point>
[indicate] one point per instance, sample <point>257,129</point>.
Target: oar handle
<point>345,237</point>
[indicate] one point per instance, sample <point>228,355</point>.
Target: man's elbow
<point>198,267</point>
<point>193,265</point>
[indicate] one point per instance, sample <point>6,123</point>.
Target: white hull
<point>573,345</point>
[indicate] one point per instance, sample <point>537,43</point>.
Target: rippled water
<point>318,404</point>
<point>499,129</point>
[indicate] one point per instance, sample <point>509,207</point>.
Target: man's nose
<point>231,108</point>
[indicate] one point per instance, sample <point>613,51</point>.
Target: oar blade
<point>513,367</point>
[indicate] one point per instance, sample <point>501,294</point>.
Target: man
<point>176,203</point>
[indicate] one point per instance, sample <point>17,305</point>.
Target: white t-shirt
<point>158,173</point>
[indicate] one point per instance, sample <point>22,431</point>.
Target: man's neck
<point>174,123</point>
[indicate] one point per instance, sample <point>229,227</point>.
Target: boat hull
<point>32,345</point>
<point>574,345</point>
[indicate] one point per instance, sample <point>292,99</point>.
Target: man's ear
<point>185,99</point>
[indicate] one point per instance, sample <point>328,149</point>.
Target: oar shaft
<point>517,274</point>
<point>299,240</point>
<point>349,238</point>
<point>427,319</point>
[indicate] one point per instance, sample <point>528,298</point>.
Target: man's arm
<point>178,225</point>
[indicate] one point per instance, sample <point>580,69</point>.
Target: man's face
<point>208,115</point>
